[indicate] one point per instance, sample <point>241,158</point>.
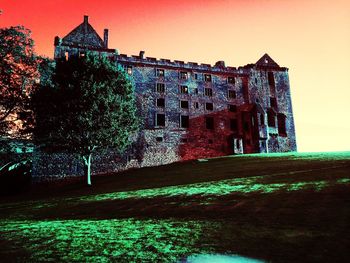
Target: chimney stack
<point>105,37</point>
<point>142,54</point>
<point>86,21</point>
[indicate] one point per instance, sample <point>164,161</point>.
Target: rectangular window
<point>160,119</point>
<point>160,72</point>
<point>196,105</point>
<point>262,119</point>
<point>127,69</point>
<point>161,102</point>
<point>159,139</point>
<point>271,120</point>
<point>231,80</point>
<point>195,90</point>
<point>184,121</point>
<point>232,94</point>
<point>183,75</point>
<point>232,108</point>
<point>160,87</point>
<point>195,75</point>
<point>281,121</point>
<point>209,123</point>
<point>273,102</point>
<point>208,92</point>
<point>209,106</point>
<point>183,89</point>
<point>184,104</point>
<point>207,77</point>
<point>271,81</point>
<point>233,124</point>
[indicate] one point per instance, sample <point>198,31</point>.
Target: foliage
<point>90,106</point>
<point>18,74</point>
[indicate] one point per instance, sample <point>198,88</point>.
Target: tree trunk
<point>87,170</point>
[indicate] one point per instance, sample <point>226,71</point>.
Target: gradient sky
<point>310,37</point>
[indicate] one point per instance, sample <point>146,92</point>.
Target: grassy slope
<point>281,208</point>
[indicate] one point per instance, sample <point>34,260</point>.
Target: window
<point>233,124</point>
<point>273,102</point>
<point>271,119</point>
<point>160,87</point>
<point>232,108</point>
<point>184,104</point>
<point>271,81</point>
<point>209,106</point>
<point>160,119</point>
<point>208,92</point>
<point>196,105</point>
<point>232,94</point>
<point>231,80</point>
<point>159,139</point>
<point>195,90</point>
<point>184,121</point>
<point>183,75</point>
<point>66,55</point>
<point>281,120</point>
<point>262,119</point>
<point>127,69</point>
<point>207,77</point>
<point>195,75</point>
<point>209,123</point>
<point>183,89</point>
<point>160,72</point>
<point>256,81</point>
<point>161,102</point>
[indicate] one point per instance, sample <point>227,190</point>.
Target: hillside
<point>278,207</point>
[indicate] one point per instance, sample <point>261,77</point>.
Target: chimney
<point>142,54</point>
<point>105,37</point>
<point>86,21</point>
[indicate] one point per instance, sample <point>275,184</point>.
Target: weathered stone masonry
<point>191,110</point>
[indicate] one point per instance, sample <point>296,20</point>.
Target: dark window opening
<point>184,121</point>
<point>183,89</point>
<point>232,94</point>
<point>273,102</point>
<point>209,123</point>
<point>207,77</point>
<point>209,106</point>
<point>183,75</point>
<point>160,72</point>
<point>256,81</point>
<point>271,120</point>
<point>184,104</point>
<point>161,102</point>
<point>238,145</point>
<point>208,92</point>
<point>281,120</point>
<point>195,76</point>
<point>160,119</point>
<point>159,139</point>
<point>196,105</point>
<point>271,80</point>
<point>231,80</point>
<point>232,108</point>
<point>233,124</point>
<point>160,87</point>
<point>262,119</point>
<point>195,90</point>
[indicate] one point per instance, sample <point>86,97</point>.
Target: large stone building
<point>192,110</point>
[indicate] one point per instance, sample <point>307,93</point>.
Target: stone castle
<point>192,110</point>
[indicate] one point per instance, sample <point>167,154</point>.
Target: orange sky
<point>310,37</point>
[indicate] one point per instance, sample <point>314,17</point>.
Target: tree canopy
<point>89,106</point>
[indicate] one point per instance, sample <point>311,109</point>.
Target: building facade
<point>192,110</point>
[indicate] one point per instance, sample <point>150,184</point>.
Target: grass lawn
<point>276,208</point>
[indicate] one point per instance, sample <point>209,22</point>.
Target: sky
<point>310,37</point>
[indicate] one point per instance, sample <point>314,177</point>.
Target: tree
<point>89,107</point>
<point>18,74</point>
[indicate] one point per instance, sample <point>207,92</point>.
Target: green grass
<point>278,207</point>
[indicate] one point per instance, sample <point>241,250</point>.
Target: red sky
<point>311,38</point>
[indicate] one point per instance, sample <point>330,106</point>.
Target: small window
<point>159,139</point>
<point>231,80</point>
<point>209,123</point>
<point>233,124</point>
<point>183,75</point>
<point>160,119</point>
<point>256,81</point>
<point>207,77</point>
<point>281,120</point>
<point>195,90</point>
<point>208,92</point>
<point>161,102</point>
<point>195,75</point>
<point>196,105</point>
<point>184,121</point>
<point>232,94</point>
<point>271,120</point>
<point>184,104</point>
<point>160,87</point>
<point>238,145</point>
<point>209,106</point>
<point>232,108</point>
<point>183,89</point>
<point>273,102</point>
<point>262,119</point>
<point>129,70</point>
<point>160,72</point>
<point>66,55</point>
